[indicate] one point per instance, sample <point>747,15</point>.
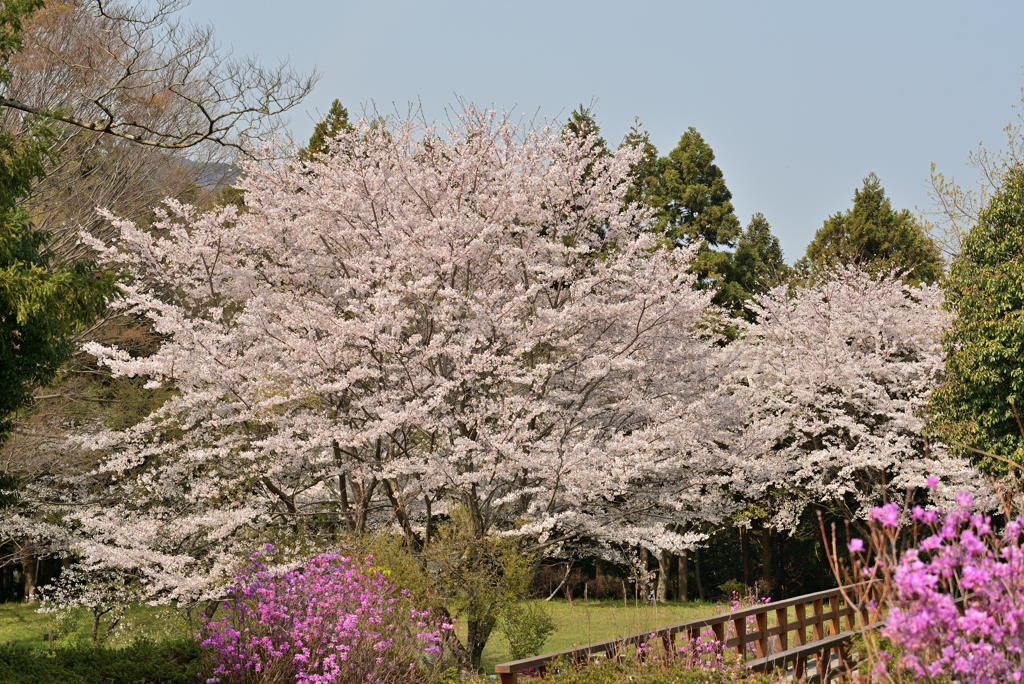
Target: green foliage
<point>979,404</point>
<point>753,268</point>
<point>691,197</point>
<point>8,490</point>
<point>402,567</point>
<point>479,576</point>
<point>876,237</point>
<point>41,307</point>
<point>687,190</point>
<point>144,661</point>
<point>12,14</point>
<point>128,401</point>
<point>582,124</point>
<point>334,123</point>
<point>644,173</point>
<point>732,587</point>
<point>527,627</point>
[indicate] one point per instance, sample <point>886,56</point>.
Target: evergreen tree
<point>334,123</point>
<point>581,124</point>
<point>644,174</point>
<point>691,197</point>
<point>688,192</point>
<point>756,266</point>
<point>981,403</point>
<point>875,237</point>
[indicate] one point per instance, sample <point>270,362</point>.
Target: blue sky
<point>799,100</point>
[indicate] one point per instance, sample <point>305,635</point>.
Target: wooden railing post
<point>821,664</point>
<point>833,604</point>
<point>819,616</point>
<point>782,617</point>
<point>762,640</point>
<point>668,642</point>
<point>719,630</point>
<point>801,621</point>
<point>508,677</point>
<point>740,626</point>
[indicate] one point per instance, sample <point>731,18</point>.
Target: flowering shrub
<point>334,620</point>
<point>751,598</point>
<point>955,597</point>
<point>703,653</point>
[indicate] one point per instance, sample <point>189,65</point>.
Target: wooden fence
<point>779,638</point>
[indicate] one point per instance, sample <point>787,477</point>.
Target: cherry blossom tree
<point>833,379</point>
<point>421,321</point>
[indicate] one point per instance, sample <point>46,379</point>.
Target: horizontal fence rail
<point>777,640</point>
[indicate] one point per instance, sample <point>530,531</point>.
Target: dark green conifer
<point>875,237</point>
<point>334,123</point>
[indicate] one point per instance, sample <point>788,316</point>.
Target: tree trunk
<point>568,567</point>
<point>30,566</point>
<point>450,643</point>
<point>664,563</point>
<point>783,578</point>
<point>745,550</point>
<point>696,573</point>
<point>477,633</point>
<point>684,579</point>
<point>211,607</point>
<point>766,557</point>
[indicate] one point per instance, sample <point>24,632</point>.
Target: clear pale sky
<point>799,100</point>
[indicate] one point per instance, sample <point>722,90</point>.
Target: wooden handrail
<point>825,608</point>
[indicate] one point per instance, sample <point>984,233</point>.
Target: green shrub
<point>733,587</point>
<point>142,662</point>
<point>526,627</point>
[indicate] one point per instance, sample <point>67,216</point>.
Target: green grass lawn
<point>584,622</point>
<point>578,623</point>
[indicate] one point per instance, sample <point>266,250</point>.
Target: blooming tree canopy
<point>422,319</point>
<point>833,379</point>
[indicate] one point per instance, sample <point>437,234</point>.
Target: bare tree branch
<point>135,71</point>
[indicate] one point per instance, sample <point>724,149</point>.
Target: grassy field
<point>578,623</point>
<point>584,622</point>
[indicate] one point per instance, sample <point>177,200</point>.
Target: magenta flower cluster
<point>333,621</point>
<point>959,596</point>
<point>703,653</point>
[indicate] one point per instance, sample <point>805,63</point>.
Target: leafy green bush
<point>142,662</point>
<point>526,627</point>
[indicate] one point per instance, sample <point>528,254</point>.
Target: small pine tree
<point>334,123</point>
<point>756,266</point>
<point>644,173</point>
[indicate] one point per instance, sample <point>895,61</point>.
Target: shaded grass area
<point>166,662</point>
<point>22,625</point>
